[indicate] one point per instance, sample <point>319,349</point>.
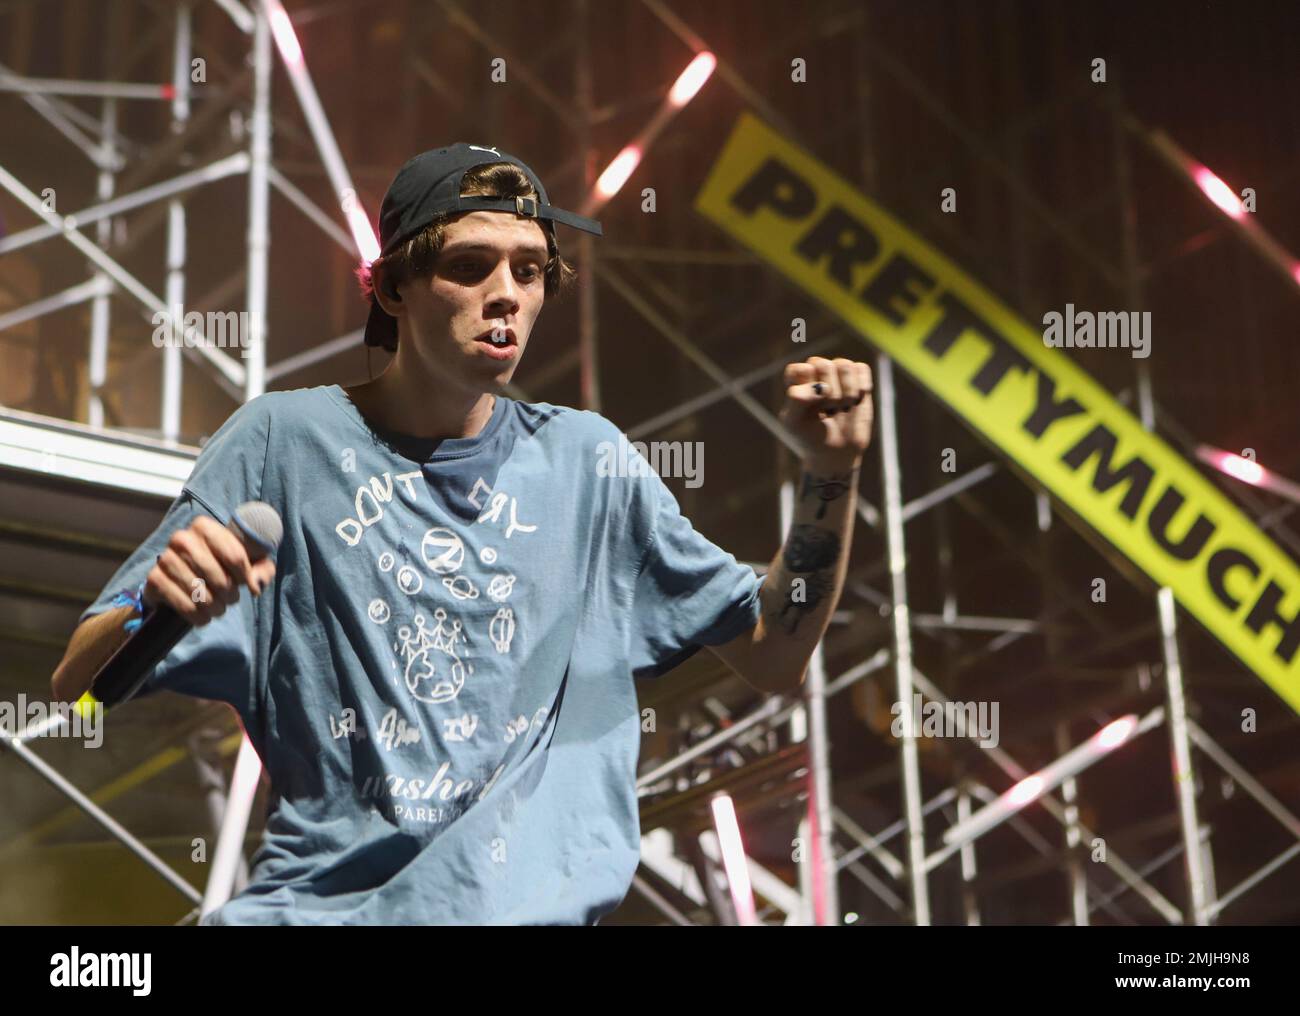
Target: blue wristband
<point>135,600</point>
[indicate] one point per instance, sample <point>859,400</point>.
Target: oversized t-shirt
<point>439,680</point>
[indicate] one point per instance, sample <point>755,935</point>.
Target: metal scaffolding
<point>774,756</point>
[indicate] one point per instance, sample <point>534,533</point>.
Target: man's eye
<point>532,272</point>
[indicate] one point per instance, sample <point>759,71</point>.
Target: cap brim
<point>381,327</point>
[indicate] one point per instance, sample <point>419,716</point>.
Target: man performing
<point>436,671</point>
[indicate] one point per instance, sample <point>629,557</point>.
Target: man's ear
<point>385,291</point>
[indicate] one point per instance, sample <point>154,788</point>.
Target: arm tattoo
<point>827,488</point>
<point>810,550</point>
<point>802,599</point>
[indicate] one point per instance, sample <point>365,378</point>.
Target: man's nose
<point>502,287</point>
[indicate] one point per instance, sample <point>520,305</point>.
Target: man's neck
<point>399,402</point>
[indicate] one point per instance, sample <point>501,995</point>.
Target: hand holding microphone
<point>200,573</point>
<point>195,579</point>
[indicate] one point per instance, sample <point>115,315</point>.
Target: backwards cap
<point>428,186</point>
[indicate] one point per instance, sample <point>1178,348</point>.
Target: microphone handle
<point>127,669</point>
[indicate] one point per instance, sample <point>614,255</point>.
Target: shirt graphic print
<point>439,680</point>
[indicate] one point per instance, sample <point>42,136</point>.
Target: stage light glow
<point>733,857</point>
<point>1219,192</point>
<point>1249,471</point>
<point>362,232</point>
<point>285,37</point>
<point>1116,732</point>
<point>692,79</point>
<point>616,173</point>
<point>1026,790</point>
<point>1246,470</point>
<point>1047,779</point>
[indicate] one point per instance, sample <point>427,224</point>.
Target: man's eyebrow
<point>464,248</point>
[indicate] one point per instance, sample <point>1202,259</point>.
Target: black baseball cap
<point>428,186</point>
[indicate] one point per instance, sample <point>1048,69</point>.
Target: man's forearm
<point>806,577</point>
<point>95,640</point>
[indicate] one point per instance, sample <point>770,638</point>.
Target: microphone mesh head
<point>261,523</point>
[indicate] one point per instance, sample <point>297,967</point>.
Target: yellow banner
<point>1027,398</point>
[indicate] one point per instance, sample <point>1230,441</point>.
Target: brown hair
<point>418,256</point>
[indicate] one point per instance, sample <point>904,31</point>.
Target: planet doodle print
<point>443,550</point>
<point>461,588</point>
<point>408,580</point>
<point>434,671</point>
<point>500,586</point>
<point>379,612</point>
<point>435,685</point>
<point>488,555</point>
<point>502,629</point>
<point>386,561</point>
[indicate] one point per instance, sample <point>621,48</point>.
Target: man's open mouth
<point>499,337</point>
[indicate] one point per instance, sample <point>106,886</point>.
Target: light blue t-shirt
<point>439,681</point>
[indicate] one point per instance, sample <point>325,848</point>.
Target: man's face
<point>489,277</point>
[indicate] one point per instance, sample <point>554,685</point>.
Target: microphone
<point>259,528</point>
